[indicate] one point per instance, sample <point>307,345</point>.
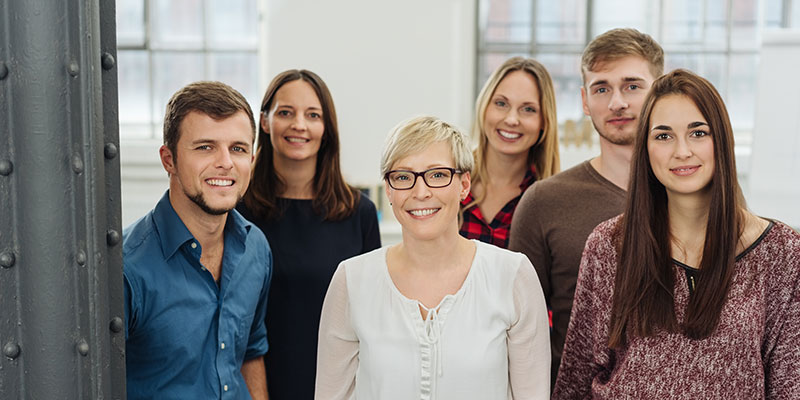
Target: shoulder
<point>140,245</point>
<point>500,260</point>
<point>365,263</point>
<point>365,205</point>
<point>778,249</point>
<point>556,186</point>
<point>601,241</point>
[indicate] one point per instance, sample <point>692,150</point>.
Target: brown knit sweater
<point>753,354</point>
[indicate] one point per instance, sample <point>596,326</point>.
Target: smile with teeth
<point>423,212</point>
<point>685,170</point>
<point>294,139</point>
<point>219,182</point>
<point>509,135</point>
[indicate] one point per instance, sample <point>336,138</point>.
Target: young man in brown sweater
<point>556,215</point>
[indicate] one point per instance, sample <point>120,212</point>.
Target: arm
<point>782,360</point>
<point>527,237</point>
<point>255,377</point>
<point>337,354</point>
<point>586,333</point>
<point>371,239</point>
<point>529,338</point>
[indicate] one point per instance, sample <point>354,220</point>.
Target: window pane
<point>682,22</point>
<point>743,24</point>
<point>564,69</point>
<point>742,90</point>
<point>177,23</point>
<point>561,21</point>
<point>172,71</point>
<point>795,17</point>
<point>234,24</point>
<point>773,14</point>
<point>134,94</point>
<point>489,62</point>
<point>240,70</point>
<point>508,21</point>
<point>610,14</point>
<point>130,23</point>
<point>716,30</point>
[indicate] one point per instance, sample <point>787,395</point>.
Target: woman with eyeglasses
<point>517,131</point>
<point>311,217</point>
<point>436,316</point>
<point>687,295</point>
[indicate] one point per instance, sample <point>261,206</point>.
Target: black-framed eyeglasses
<point>438,177</point>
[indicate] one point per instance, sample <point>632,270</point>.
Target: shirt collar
<point>530,177</point>
<point>173,232</point>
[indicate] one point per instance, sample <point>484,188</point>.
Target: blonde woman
<point>437,316</point>
<point>517,131</point>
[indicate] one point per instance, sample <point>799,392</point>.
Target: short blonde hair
<point>622,42</point>
<point>416,134</point>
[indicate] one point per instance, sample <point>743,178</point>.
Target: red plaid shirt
<point>496,232</point>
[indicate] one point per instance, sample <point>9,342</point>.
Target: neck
<point>206,228</point>
<point>614,163</point>
<point>688,217</point>
<point>297,175</point>
<point>506,169</point>
<point>444,252</point>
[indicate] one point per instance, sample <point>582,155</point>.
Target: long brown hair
<point>544,155</point>
<point>643,300</point>
<point>333,197</point>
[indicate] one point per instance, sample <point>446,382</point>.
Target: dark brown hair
<point>215,99</point>
<point>643,300</point>
<point>333,197</point>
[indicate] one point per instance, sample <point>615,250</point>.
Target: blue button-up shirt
<point>186,337</point>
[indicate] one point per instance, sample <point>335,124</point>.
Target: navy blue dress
<point>306,251</point>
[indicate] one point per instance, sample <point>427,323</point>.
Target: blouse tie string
<point>433,331</point>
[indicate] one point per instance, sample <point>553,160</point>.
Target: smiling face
<point>211,168</point>
<point>613,95</point>
<point>428,213</point>
<point>512,121</point>
<point>294,122</point>
<point>680,146</point>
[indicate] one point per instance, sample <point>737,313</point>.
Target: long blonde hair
<point>544,155</point>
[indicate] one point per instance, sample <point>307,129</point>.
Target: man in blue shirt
<point>197,273</point>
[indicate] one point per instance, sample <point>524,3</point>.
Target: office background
<point>386,61</point>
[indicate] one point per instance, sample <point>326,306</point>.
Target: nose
<point>682,149</point>
<point>617,102</point>
<point>512,118</point>
<point>224,159</point>
<point>299,123</point>
<point>420,189</point>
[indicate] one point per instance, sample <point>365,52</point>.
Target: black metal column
<point>61,317</point>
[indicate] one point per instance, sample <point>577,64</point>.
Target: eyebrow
<point>669,128</point>
<point>236,143</point>
<point>625,79</point>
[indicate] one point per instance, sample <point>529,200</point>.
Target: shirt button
<point>222,345</point>
<point>194,245</point>
<point>225,388</point>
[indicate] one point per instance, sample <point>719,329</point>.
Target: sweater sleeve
<point>526,237</point>
<point>337,354</point>
<point>587,331</point>
<point>529,338</point>
<point>782,361</point>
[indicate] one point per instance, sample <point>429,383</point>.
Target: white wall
<point>774,180</point>
<point>383,62</point>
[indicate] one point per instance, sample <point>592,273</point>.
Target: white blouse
<point>489,340</point>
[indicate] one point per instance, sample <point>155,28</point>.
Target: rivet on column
<point>110,150</point>
<point>83,347</point>
<point>112,237</point>
<point>108,61</point>
<point>6,167</point>
<point>11,350</point>
<point>116,325</point>
<point>73,68</point>
<point>77,164</point>
<point>80,257</point>
<point>7,259</point>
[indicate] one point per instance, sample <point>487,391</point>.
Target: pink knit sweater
<point>753,354</point>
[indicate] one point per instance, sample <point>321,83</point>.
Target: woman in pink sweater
<point>686,295</point>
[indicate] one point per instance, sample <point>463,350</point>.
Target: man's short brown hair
<point>215,99</point>
<point>622,42</point>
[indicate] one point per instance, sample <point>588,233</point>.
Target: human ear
<point>167,159</point>
<point>265,122</point>
<point>584,101</point>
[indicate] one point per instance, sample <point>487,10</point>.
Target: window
<point>718,39</point>
<point>165,44</point>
